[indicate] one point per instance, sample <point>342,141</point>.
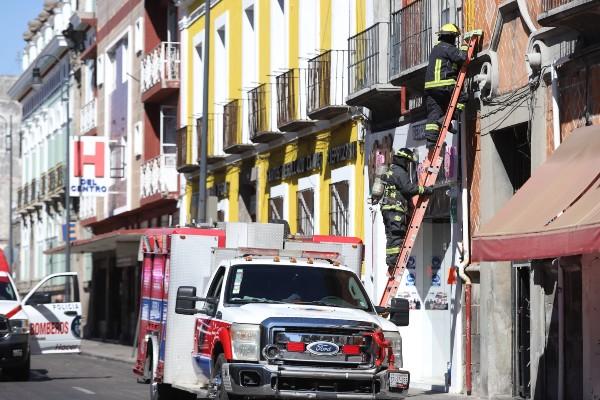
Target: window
<point>339,197</point>
<point>276,209</point>
<point>296,285</point>
<point>6,290</point>
<point>117,161</point>
<point>58,289</point>
<point>306,212</point>
<point>168,130</point>
<point>139,35</point>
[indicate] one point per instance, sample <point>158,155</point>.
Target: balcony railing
<point>260,114</point>
<point>292,100</point>
<point>33,192</point>
<point>161,66</point>
<point>56,180</point>
<point>327,84</point>
<point>88,116</point>
<point>159,176</point>
<point>186,157</point>
<point>548,5</point>
<point>43,187</point>
<point>368,70</point>
<point>233,141</point>
<point>411,37</point>
<point>214,146</point>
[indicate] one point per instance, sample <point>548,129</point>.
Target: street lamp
<point>8,129</point>
<point>36,83</point>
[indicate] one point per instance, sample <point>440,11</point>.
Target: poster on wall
<point>88,162</point>
<point>437,297</point>
<point>409,285</point>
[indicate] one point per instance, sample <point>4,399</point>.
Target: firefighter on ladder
<point>400,185</point>
<point>445,61</point>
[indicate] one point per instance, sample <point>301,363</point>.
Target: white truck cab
<point>47,320</point>
<point>288,327</point>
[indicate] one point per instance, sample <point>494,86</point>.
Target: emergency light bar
<point>329,256</point>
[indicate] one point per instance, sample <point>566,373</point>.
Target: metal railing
<point>258,110</point>
<point>161,65</point>
<point>159,175</point>
<point>232,132</point>
<point>20,203</point>
<point>291,96</point>
<point>367,51</point>
<point>548,5</point>
<point>410,36</point>
<point>185,157</point>
<point>88,116</point>
<point>33,191</point>
<point>214,136</point>
<point>43,188</point>
<point>327,76</point>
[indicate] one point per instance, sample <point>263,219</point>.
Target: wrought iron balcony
<point>186,156</point>
<point>581,15</point>
<point>160,72</point>
<point>88,116</point>
<point>261,114</point>
<point>368,69</point>
<point>328,84</point>
<point>214,149</point>
<point>411,39</point>
<point>55,181</point>
<point>159,177</point>
<point>20,198</point>
<point>292,100</point>
<point>233,141</point>
<point>43,187</point>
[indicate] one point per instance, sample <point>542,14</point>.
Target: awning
<point>105,242</point>
<point>557,211</point>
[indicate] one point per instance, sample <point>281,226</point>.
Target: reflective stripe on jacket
<point>444,62</point>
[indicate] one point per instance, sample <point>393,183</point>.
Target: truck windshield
<point>7,292</point>
<point>296,285</point>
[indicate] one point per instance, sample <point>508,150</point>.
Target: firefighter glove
<point>427,190</point>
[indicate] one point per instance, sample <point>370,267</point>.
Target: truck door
<point>54,313</point>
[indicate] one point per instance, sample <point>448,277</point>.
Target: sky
<point>13,22</point>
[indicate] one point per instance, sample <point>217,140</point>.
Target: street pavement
<point>74,377</point>
<point>86,377</point>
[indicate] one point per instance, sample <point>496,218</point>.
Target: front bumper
<point>271,381</point>
<point>14,350</point>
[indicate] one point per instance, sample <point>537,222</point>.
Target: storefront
<point>435,325</point>
<point>313,183</point>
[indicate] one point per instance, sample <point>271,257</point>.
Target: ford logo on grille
<point>323,348</point>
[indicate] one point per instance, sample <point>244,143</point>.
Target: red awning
<point>557,211</point>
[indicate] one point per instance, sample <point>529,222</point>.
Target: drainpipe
<point>464,249</point>
<point>555,110</point>
<point>561,328</point>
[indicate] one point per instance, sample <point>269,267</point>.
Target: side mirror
<point>186,300</point>
<point>399,312</point>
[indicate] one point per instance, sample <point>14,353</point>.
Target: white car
<point>45,321</point>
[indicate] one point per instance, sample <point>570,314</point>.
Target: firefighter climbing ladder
<point>428,178</point>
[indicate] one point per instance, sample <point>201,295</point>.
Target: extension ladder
<point>431,168</point>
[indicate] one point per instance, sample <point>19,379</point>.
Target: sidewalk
<point>107,351</point>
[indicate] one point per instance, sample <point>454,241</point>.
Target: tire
<point>159,391</point>
<point>21,373</point>
<point>217,380</point>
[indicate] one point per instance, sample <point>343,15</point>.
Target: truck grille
<point>4,329</point>
<point>306,355</point>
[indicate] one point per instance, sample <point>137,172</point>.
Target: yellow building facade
<point>282,143</point>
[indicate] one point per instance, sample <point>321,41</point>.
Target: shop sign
<point>296,167</point>
<point>88,166</point>
<point>342,153</point>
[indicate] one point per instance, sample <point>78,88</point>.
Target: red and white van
<point>276,318</point>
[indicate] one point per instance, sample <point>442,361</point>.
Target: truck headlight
<point>19,326</point>
<point>396,341</point>
<point>245,342</point>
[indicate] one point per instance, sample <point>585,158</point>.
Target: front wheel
<point>21,373</point>
<point>217,380</point>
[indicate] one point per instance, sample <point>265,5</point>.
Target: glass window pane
<point>58,289</point>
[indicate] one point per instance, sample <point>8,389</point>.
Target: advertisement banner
<point>88,166</point>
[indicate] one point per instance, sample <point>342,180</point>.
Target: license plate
<point>399,380</point>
